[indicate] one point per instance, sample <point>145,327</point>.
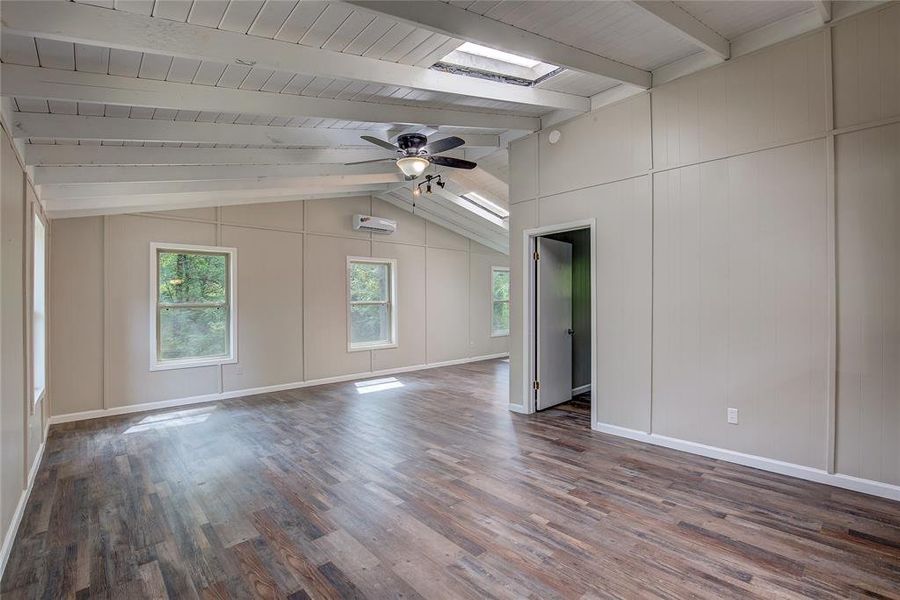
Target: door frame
<point>529,312</point>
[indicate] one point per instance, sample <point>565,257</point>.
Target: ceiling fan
<point>415,153</point>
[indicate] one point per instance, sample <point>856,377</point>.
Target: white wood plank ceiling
<point>119,105</point>
<point>732,18</point>
<point>618,30</point>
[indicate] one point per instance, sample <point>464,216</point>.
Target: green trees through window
<point>371,304</point>
<point>193,312</point>
<point>499,301</point>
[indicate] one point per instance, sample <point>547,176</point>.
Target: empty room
<point>433,299</point>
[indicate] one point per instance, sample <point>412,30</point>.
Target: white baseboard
<point>857,484</point>
<point>13,529</point>
<point>631,434</point>
<point>518,408</point>
<point>147,406</point>
<point>581,389</point>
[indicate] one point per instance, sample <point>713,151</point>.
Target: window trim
<point>494,333</point>
<point>392,304</point>
<point>38,395</point>
<point>156,364</point>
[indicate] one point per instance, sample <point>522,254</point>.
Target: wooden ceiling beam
<point>688,26</point>
<point>47,155</point>
<point>155,173</point>
<point>268,186</point>
<point>80,127</point>
<point>80,86</point>
<point>60,208</point>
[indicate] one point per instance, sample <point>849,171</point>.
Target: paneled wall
<point>866,54</point>
<point>867,67</point>
<point>748,251</point>
<point>292,313</point>
<point>868,234</point>
<point>759,100</point>
<point>22,419</point>
<point>739,303</point>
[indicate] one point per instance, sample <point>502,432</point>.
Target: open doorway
<point>559,318</point>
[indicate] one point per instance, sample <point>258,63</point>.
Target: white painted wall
<point>717,198</point>
<point>292,313</point>
<point>21,421</point>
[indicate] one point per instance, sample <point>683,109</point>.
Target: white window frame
<point>391,303</point>
<point>495,333</point>
<point>157,364</point>
<point>38,392</point>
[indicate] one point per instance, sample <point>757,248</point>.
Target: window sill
<point>191,363</point>
<point>365,347</point>
<point>496,335</point>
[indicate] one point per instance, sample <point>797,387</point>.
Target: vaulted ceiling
<point>127,105</point>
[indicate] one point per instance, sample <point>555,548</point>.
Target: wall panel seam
<point>774,146</point>
<point>386,238</point>
<point>652,291</point>
<point>104,386</point>
<point>304,251</point>
<point>468,298</point>
<point>652,258</point>
<point>831,259</point>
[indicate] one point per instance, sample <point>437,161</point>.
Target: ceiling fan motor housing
<point>411,141</point>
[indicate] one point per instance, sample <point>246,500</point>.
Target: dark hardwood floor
<point>425,486</point>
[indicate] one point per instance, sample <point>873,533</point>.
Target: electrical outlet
<point>733,416</point>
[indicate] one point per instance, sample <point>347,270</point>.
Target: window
<point>481,202</point>
<point>39,312</point>
<point>474,60</point>
<point>372,308</point>
<point>499,301</point>
<point>192,297</point>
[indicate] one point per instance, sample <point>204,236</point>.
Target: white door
<point>554,322</point>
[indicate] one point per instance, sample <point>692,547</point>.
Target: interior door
<point>554,322</point>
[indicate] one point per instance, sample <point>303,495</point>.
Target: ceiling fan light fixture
<point>412,166</point>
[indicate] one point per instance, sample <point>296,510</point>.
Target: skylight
<point>486,204</point>
<point>470,48</point>
<point>474,60</point>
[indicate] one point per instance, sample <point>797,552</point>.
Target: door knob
<point>570,331</point>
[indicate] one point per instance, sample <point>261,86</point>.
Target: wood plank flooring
<point>425,486</point>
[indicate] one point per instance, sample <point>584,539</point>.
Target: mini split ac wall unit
<point>374,224</point>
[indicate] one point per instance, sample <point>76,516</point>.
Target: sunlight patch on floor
<point>377,385</point>
<point>180,418</point>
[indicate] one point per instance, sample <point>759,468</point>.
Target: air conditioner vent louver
<point>374,224</point>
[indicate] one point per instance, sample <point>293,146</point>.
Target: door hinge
<point>536,255</point>
<point>536,385</point>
